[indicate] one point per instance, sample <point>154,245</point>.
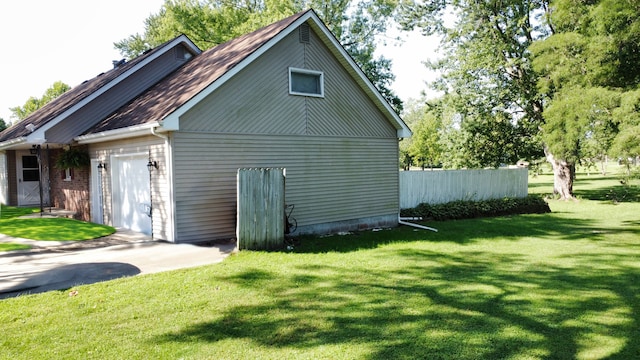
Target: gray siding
<point>257,99</point>
<point>340,152</point>
<point>160,190</point>
<point>328,179</point>
<point>114,98</point>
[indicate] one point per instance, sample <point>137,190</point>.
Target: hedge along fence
<point>443,186</point>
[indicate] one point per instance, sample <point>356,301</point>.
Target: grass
<point>564,285</point>
<point>12,246</point>
<point>48,229</point>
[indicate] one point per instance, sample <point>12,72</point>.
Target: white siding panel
<point>327,178</point>
<point>160,187</point>
<point>4,179</point>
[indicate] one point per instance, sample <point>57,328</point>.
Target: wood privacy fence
<point>261,221</point>
<point>441,186</point>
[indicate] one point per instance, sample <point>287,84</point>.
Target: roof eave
<point>118,134</point>
<point>7,145</point>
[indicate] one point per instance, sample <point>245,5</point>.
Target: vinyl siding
<point>340,152</point>
<point>114,98</point>
<point>328,179</point>
<point>257,99</point>
<point>160,190</point>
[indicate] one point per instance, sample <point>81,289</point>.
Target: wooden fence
<point>261,221</point>
<point>441,186</point>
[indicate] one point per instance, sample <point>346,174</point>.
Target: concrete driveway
<point>57,266</point>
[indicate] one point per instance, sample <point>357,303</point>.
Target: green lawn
<point>11,247</point>
<point>45,229</point>
<point>564,285</point>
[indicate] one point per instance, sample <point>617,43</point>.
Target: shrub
<point>73,158</point>
<point>462,209</point>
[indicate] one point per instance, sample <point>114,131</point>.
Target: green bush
<point>462,209</point>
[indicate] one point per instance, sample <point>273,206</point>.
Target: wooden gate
<point>261,222</point>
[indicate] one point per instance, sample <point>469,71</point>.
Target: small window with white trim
<point>306,82</point>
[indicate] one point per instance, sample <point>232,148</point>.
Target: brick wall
<point>70,193</point>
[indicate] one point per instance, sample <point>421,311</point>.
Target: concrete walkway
<point>62,265</point>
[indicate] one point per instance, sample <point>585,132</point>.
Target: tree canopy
<point>356,24</point>
<point>33,103</point>
<point>486,73</point>
<point>527,76</point>
<point>589,78</point>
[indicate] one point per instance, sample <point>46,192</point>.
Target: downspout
<point>154,133</point>
<point>402,222</point>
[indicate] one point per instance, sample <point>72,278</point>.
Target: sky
<point>45,41</point>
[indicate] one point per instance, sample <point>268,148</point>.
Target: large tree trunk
<point>563,175</point>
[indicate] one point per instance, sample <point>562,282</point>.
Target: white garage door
<point>131,193</point>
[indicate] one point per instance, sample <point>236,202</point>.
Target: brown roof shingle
<point>64,102</point>
<point>189,80</point>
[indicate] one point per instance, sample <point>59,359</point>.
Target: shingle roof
<point>64,102</point>
<point>189,80</point>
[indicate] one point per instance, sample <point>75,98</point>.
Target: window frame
<point>319,74</point>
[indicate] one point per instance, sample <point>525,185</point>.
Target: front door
<point>28,179</point>
<point>131,193</point>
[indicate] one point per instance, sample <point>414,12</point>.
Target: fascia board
<point>117,134</point>
<point>7,145</point>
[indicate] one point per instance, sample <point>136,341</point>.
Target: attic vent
<point>304,33</point>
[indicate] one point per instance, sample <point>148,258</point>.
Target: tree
<point>423,148</point>
<point>3,125</point>
<point>585,69</point>
<point>626,144</point>
<point>531,62</point>
<point>32,104</point>
<point>486,73</point>
<point>356,24</point>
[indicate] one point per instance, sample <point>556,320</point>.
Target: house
<point>167,132</point>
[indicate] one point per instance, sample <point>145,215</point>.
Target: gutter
<point>117,134</point>
<point>8,144</point>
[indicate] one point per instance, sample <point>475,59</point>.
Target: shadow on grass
<point>615,194</point>
<point>428,304</point>
<point>542,226</point>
